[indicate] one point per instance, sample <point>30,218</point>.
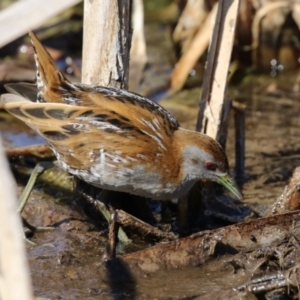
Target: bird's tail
<point>50,81</point>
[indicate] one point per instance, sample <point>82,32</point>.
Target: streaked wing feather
<point>77,131</point>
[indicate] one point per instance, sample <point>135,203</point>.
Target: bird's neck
<point>190,149</point>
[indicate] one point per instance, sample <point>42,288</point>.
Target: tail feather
<point>27,90</point>
<point>49,78</point>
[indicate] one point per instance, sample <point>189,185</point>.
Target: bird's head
<point>204,158</point>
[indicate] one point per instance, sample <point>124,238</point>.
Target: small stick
<point>239,122</point>
<point>41,151</point>
<point>132,222</point>
<point>39,169</point>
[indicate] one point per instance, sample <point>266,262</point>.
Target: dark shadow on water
<point>120,280</point>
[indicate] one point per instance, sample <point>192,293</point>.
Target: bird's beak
<point>228,182</point>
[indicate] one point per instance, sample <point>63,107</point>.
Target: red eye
<point>210,166</point>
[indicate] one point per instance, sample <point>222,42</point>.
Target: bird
<point>115,139</point>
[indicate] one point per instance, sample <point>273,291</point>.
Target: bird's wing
<point>78,133</point>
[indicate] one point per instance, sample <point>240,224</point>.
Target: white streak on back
<point>156,139</point>
<point>155,122</point>
<point>102,161</point>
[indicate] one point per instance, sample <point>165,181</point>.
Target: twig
<point>128,220</point>
<point>40,151</point>
<point>239,120</point>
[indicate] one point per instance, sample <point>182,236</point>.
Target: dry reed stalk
<point>106,40</point>
<point>215,79</point>
<point>196,48</point>
<point>138,53</point>
<point>24,15</point>
<point>15,282</point>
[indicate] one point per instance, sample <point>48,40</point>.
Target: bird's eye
<point>210,166</point>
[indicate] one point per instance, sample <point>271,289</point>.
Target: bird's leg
<point>113,228</point>
<point>182,211</point>
<point>38,171</point>
<point>122,236</point>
